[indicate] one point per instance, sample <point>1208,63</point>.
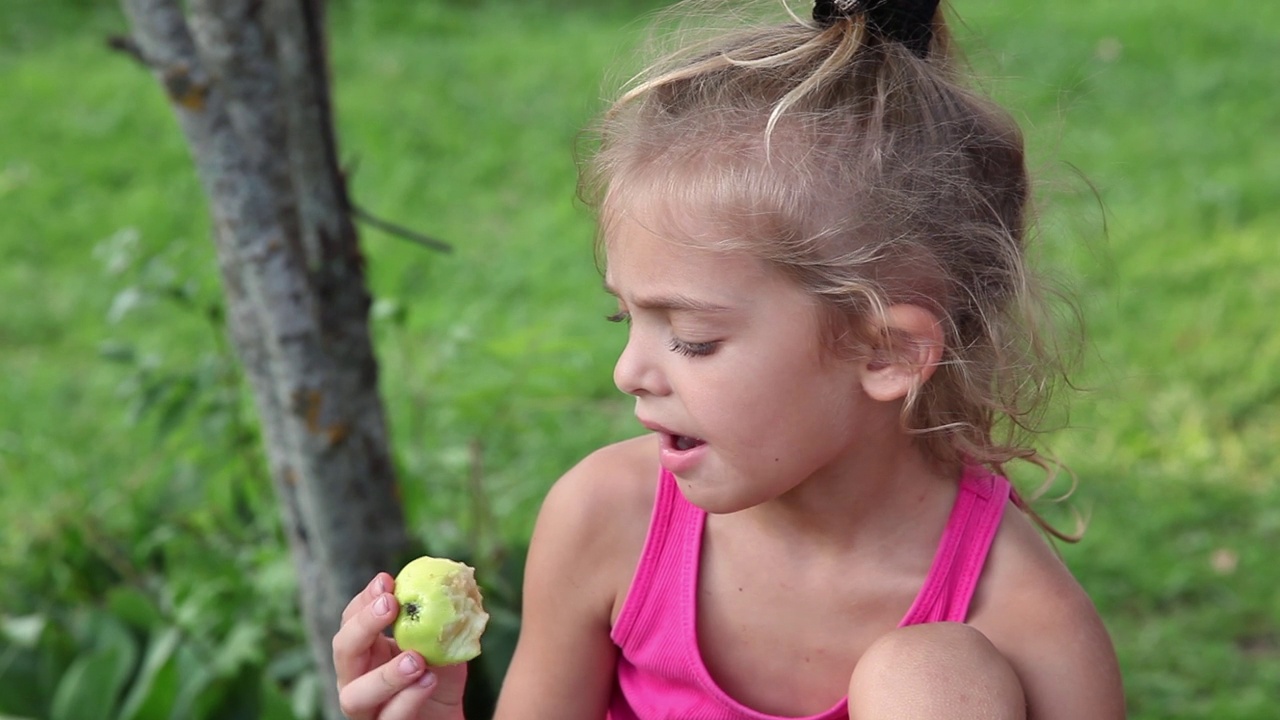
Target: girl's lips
<point>679,453</point>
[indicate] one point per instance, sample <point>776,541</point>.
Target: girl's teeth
<point>686,443</point>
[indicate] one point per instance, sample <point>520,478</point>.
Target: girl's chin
<point>713,498</point>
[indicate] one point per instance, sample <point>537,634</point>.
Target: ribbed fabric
<point>660,673</point>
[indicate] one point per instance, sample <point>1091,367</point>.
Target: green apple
<point>441,615</point>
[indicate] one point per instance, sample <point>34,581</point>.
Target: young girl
<point>815,234</point>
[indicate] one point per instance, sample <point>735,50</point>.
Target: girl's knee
<point>939,670</point>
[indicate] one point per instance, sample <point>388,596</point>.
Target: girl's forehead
<point>655,233</point>
<point>679,215</point>
<point>665,232</point>
<point>639,257</point>
<point>713,201</point>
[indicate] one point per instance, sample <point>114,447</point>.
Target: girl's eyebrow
<point>672,302</point>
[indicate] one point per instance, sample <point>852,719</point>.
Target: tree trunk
<point>248,81</point>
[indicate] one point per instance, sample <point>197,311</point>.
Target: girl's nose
<point>636,373</point>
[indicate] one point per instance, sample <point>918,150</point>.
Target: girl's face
<point>724,359</point>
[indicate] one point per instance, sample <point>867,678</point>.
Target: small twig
<point>126,45</point>
<point>391,228</point>
<point>182,85</point>
<point>350,170</point>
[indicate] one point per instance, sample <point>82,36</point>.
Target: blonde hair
<point>870,175</point>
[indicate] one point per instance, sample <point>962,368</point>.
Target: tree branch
<point>391,228</point>
<point>125,44</point>
<point>167,49</point>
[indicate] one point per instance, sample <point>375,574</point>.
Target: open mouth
<point>679,454</point>
<point>685,442</point>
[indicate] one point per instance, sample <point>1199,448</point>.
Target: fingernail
<point>376,584</point>
<point>382,606</point>
<point>408,665</point>
<point>426,680</point>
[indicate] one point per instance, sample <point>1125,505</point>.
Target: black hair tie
<point>909,22</point>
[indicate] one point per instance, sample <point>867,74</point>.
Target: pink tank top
<point>660,673</point>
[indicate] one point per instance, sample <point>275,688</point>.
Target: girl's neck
<point>884,493</point>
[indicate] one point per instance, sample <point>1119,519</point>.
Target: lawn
<point>1154,131</point>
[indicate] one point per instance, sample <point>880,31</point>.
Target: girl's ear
<point>911,352</point>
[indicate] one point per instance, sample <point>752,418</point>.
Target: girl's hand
<point>376,681</point>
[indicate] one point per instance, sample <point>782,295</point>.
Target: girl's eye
<point>620,316</point>
<point>692,349</point>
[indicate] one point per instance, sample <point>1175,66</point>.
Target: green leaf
<point>155,690</point>
<point>304,701</point>
<point>34,675</point>
<point>19,680</point>
<point>290,663</point>
<point>92,685</point>
<point>134,607</point>
<point>242,646</point>
<point>194,679</point>
<point>233,696</point>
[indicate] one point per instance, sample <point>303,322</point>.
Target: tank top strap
<point>962,552</point>
<point>668,565</point>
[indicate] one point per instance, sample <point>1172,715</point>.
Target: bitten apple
<point>441,611</point>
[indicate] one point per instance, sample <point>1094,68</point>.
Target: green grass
<point>460,119</point>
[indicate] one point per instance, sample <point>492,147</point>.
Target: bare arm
<point>580,557</point>
<point>1067,665</point>
<point>1045,624</point>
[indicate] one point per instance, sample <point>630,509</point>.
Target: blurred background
<point>137,524</point>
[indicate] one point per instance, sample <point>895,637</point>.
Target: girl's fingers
<point>452,683</point>
<point>358,634</point>
<point>381,583</point>
<point>417,702</point>
<point>436,695</point>
<point>365,694</point>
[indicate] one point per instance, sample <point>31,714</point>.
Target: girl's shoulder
<point>611,489</point>
<point>621,476</point>
<point>1024,577</point>
<point>589,534</point>
<point>597,514</point>
<point>1032,608</point>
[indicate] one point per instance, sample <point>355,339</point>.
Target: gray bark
<point>248,82</point>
